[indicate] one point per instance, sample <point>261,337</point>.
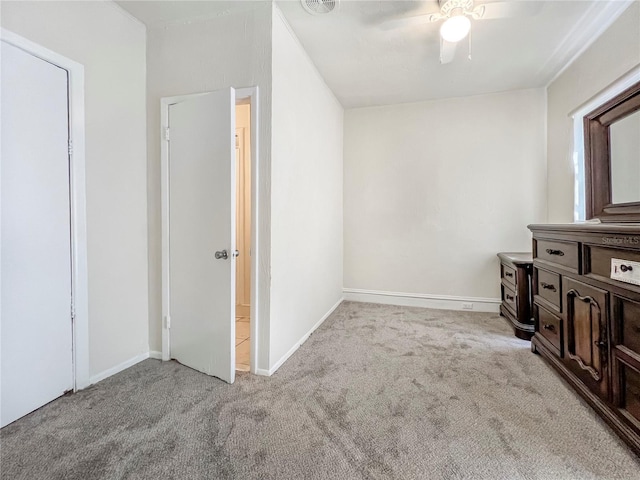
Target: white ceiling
<point>158,13</point>
<point>365,65</point>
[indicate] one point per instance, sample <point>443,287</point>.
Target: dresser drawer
<point>509,299</point>
<point>509,275</point>
<point>550,327</point>
<point>627,324</point>
<point>598,259</point>
<point>548,286</point>
<point>631,392</point>
<point>565,254</point>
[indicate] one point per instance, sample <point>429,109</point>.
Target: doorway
<point>243,235</point>
<point>203,302</point>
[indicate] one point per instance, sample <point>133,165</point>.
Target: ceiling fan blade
<point>410,21</point>
<point>514,8</point>
<point>447,51</point>
<point>478,12</point>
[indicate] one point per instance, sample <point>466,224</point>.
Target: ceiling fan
<point>457,16</point>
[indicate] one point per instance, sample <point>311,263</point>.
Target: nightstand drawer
<point>509,275</point>
<point>509,299</point>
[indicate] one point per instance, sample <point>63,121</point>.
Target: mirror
<point>612,158</point>
<point>625,159</point>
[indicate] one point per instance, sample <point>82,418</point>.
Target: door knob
<point>222,255</point>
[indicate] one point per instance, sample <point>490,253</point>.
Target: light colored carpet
<point>378,392</point>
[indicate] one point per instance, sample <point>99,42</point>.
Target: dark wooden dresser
<point>587,324</point>
<point>515,285</point>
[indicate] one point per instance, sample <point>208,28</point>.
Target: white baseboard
<point>118,368</point>
<point>298,344</point>
<point>155,354</point>
<point>442,302</point>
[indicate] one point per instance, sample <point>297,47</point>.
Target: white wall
<point>433,190</point>
<point>612,55</point>
<point>111,46</point>
<point>306,201</point>
<point>232,50</point>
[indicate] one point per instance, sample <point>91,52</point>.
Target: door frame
<point>241,94</point>
<point>77,189</point>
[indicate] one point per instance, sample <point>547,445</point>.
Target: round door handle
<point>222,255</point>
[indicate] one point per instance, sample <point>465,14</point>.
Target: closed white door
<point>36,329</point>
<point>202,233</point>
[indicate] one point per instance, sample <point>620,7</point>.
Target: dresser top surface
<point>517,258</point>
<point>589,227</point>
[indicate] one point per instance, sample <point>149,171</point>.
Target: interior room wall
<point>433,190</point>
<point>200,56</point>
<point>306,201</point>
<point>613,54</point>
<point>111,46</point>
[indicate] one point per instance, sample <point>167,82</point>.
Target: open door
<point>201,232</point>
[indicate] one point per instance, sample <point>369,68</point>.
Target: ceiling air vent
<point>319,7</point>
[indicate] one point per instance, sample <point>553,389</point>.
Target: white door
<point>37,362</point>
<point>202,233</point>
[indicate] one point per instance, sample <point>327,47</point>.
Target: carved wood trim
<point>600,343</point>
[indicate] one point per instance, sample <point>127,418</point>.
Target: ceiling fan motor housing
<point>447,7</point>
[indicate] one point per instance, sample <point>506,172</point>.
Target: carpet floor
<point>377,392</point>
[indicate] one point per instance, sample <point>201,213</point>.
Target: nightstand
<point>515,275</point>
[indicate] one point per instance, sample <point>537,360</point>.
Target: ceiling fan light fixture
<point>455,28</point>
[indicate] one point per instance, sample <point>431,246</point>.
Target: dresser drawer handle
<point>600,344</point>
<point>509,274</point>
<point>509,297</point>
<point>560,253</point>
<point>548,286</point>
<point>551,328</point>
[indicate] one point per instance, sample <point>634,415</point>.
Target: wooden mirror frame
<point>597,158</point>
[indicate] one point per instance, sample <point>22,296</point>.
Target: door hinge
<point>70,147</point>
<point>167,321</point>
<point>73,312</point>
<point>166,133</point>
